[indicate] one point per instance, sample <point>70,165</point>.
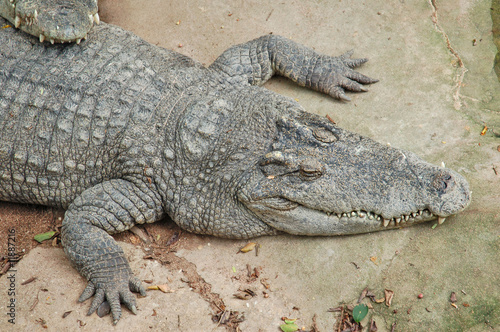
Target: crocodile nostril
<point>443,182</point>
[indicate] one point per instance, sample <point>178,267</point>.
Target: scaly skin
<point>55,21</point>
<point>120,132</point>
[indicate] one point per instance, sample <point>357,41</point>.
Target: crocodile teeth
<point>78,41</point>
<point>35,15</point>
<point>17,21</point>
<point>386,222</point>
<point>42,38</point>
<point>97,19</point>
<point>441,220</point>
<point>52,41</point>
<point>398,220</point>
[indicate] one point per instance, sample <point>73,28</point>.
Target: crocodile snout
<point>453,192</point>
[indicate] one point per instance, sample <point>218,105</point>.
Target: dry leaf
<point>249,247</point>
<point>388,297</point>
<point>242,296</point>
<point>363,295</point>
<point>165,289</point>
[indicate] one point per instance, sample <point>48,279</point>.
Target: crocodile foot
<point>56,21</point>
<point>114,291</point>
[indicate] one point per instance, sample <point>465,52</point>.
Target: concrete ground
<point>436,94</point>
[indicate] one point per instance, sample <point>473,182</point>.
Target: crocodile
<point>120,132</point>
<point>57,21</point>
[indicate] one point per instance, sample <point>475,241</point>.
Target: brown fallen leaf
<point>66,314</point>
<point>373,326</point>
<point>374,260</point>
<point>363,295</point>
<point>370,295</point>
<point>454,305</point>
<point>388,297</point>
<point>28,281</point>
<point>264,283</point>
<point>165,288</point>
<point>379,300</point>
<point>243,295</point>
<point>336,309</point>
<point>453,297</point>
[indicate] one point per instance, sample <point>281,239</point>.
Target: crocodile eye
<point>324,135</point>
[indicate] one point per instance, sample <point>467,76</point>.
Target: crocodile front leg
<point>110,207</point>
<point>260,59</point>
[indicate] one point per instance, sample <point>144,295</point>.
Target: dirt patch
<point>25,221</point>
<point>29,220</point>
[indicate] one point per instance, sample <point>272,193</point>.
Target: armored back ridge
<point>120,132</point>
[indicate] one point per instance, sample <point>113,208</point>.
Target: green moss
<point>480,317</point>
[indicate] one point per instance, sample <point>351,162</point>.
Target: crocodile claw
<point>113,292</point>
<point>342,77</point>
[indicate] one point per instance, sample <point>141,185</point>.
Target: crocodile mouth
<point>361,217</point>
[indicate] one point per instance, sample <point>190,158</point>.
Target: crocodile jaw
<point>293,218</point>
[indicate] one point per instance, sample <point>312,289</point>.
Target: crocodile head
<point>319,179</point>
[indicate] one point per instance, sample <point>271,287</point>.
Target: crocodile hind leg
<point>260,59</point>
<point>52,20</point>
<point>110,207</point>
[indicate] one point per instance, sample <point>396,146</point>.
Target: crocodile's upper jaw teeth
<point>441,220</point>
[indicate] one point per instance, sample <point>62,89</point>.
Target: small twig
<point>268,16</point>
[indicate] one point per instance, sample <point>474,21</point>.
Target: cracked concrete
<point>437,92</point>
